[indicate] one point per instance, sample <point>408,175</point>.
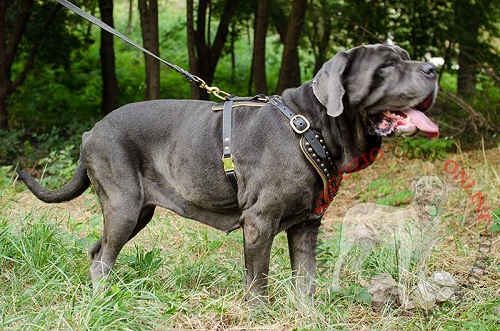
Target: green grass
<point>180,275</point>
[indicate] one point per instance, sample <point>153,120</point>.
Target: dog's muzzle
<point>406,122</point>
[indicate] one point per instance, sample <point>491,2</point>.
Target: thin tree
<point>148,10</point>
<point>107,52</point>
<point>467,20</point>
<point>10,40</point>
<point>203,53</point>
<point>290,71</point>
<point>128,29</point>
<point>259,47</point>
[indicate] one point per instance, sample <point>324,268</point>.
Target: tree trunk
<point>320,31</point>
<point>468,20</point>
<point>9,43</point>
<point>10,39</point>
<point>290,68</point>
<point>4,113</point>
<point>5,81</point>
<point>204,62</point>
<point>148,10</point>
<point>259,47</point>
<point>191,44</point>
<point>107,52</point>
<point>128,29</point>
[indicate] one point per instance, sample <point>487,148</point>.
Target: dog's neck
<point>345,135</point>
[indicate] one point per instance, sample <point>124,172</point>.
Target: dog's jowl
<point>167,153</point>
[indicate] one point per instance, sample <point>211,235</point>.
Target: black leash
<point>189,76</point>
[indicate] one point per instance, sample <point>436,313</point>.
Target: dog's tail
<point>76,186</point>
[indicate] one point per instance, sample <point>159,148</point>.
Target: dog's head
<point>390,92</point>
<point>430,192</point>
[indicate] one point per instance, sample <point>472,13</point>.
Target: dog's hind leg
<point>146,216</point>
<point>124,217</point>
<point>302,243</point>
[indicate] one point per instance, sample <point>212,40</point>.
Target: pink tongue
<point>423,122</point>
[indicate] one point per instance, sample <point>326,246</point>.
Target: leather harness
<point>311,143</point>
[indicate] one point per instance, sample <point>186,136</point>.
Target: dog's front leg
<point>302,243</point>
<point>258,235</point>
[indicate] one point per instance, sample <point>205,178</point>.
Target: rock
<point>444,284</point>
<point>439,287</point>
<point>384,291</point>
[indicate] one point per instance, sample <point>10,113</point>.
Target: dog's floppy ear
<point>327,84</point>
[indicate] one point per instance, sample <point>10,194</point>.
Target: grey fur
<point>167,153</point>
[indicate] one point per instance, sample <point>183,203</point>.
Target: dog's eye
<point>388,65</point>
<point>436,187</point>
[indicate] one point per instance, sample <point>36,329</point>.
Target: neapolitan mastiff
<point>168,153</point>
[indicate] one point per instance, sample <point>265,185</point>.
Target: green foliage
<point>426,149</point>
<point>61,164</point>
<point>386,191</point>
<point>11,144</point>
<point>356,293</point>
<point>65,85</point>
<point>145,263</point>
<point>7,175</point>
<point>495,226</point>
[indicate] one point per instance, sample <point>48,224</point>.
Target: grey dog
<point>167,153</point>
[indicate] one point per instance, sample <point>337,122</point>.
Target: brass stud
<point>308,144</point>
<point>321,141</point>
<point>322,165</point>
<point>314,155</point>
<point>316,136</point>
<point>318,160</point>
<point>309,150</point>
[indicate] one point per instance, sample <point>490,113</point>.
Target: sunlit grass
<point>178,274</point>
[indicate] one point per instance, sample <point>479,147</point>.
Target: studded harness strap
<point>311,143</point>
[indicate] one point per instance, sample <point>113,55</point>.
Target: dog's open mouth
<point>406,122</point>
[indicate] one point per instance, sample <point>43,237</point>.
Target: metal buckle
<point>228,163</point>
<point>295,128</point>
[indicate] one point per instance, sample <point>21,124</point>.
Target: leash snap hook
<point>213,90</point>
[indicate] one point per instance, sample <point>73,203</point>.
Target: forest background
<point>59,74</point>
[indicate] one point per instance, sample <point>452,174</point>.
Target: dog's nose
<point>429,70</point>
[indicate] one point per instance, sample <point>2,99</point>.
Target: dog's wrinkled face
<point>390,91</point>
<point>430,193</point>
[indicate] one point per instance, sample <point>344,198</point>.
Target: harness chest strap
<point>227,115</point>
<point>326,169</point>
<point>227,158</point>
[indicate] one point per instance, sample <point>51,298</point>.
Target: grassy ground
<point>178,274</point>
